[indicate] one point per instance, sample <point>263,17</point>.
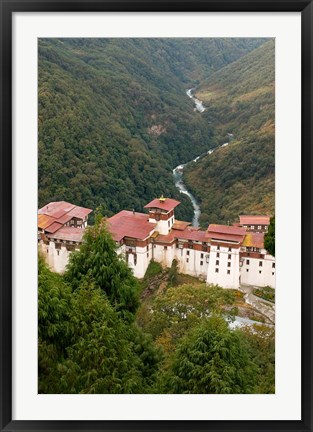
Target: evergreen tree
<point>269,238</point>
<point>84,346</point>
<point>211,359</point>
<point>98,261</point>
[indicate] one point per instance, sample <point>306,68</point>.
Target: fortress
<point>224,255</point>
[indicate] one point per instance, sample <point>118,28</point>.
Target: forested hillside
<point>95,335</point>
<point>238,178</point>
<point>114,118</point>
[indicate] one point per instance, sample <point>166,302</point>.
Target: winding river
<point>179,170</point>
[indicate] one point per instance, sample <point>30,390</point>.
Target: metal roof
<point>68,234</point>
<point>166,204</point>
<point>254,220</point>
<point>129,224</point>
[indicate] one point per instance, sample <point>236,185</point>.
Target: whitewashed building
<point>60,231</point>
<point>224,255</point>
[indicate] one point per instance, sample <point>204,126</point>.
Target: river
<point>179,170</point>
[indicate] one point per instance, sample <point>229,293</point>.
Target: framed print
<point>164,150</point>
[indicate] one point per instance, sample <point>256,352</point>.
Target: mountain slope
<point>238,178</point>
<point>114,118</point>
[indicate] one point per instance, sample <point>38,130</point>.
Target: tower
<point>161,212</point>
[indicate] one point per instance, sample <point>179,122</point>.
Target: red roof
<point>191,234</point>
<point>53,227</point>
<point>79,212</point>
<point>166,204</point>
<point>69,234</point>
<point>253,239</point>
<point>128,224</point>
<point>226,229</point>
<point>226,233</point>
<point>56,209</point>
<point>180,225</point>
<point>54,215</point>
<point>254,220</point>
<point>44,221</point>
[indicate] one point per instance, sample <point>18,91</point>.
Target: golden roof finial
<point>162,198</point>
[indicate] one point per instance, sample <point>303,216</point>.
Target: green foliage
<point>238,179</point>
<point>173,273</point>
<point>261,341</point>
<point>269,238</point>
<point>211,359</point>
<point>114,118</point>
<point>97,261</point>
<point>266,293</point>
<point>154,268</point>
<point>92,350</point>
<point>173,312</point>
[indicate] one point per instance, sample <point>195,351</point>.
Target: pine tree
<point>98,261</point>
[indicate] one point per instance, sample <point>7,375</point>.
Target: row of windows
<point>218,255</point>
<point>260,272</point>
<point>260,263</point>
<point>218,248</point>
<point>217,262</point>
<point>201,262</point>
<point>217,271</point>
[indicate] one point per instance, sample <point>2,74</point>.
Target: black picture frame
<point>7,9</point>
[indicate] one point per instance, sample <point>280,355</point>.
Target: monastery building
<point>224,255</point>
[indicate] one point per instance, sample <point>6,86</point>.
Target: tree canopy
<point>269,238</point>
<point>97,261</point>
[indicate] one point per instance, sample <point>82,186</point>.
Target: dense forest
<point>103,331</point>
<point>240,177</point>
<point>114,119</point>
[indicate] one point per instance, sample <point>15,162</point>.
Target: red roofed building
<point>224,255</point>
<point>60,231</point>
<point>255,223</point>
<point>161,211</point>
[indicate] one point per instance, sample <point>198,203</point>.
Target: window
<point>188,253</point>
<point>228,271</point>
<point>47,250</point>
<point>205,248</point>
<point>135,259</point>
<point>248,262</point>
<point>190,245</point>
<point>187,260</point>
<point>273,265</point>
<point>218,248</point>
<point>154,246</point>
<point>148,248</point>
<point>259,227</point>
<point>216,270</point>
<point>217,262</point>
<point>229,249</point>
<point>228,264</point>
<point>58,252</point>
<point>247,270</point>
<point>218,255</point>
<point>229,256</point>
<point>147,255</point>
<point>273,273</point>
<point>169,223</point>
<point>260,263</point>
<point>260,271</point>
<point>201,263</point>
<point>165,247</point>
<point>252,226</point>
<point>201,256</point>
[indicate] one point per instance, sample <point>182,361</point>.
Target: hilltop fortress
<point>224,255</point>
